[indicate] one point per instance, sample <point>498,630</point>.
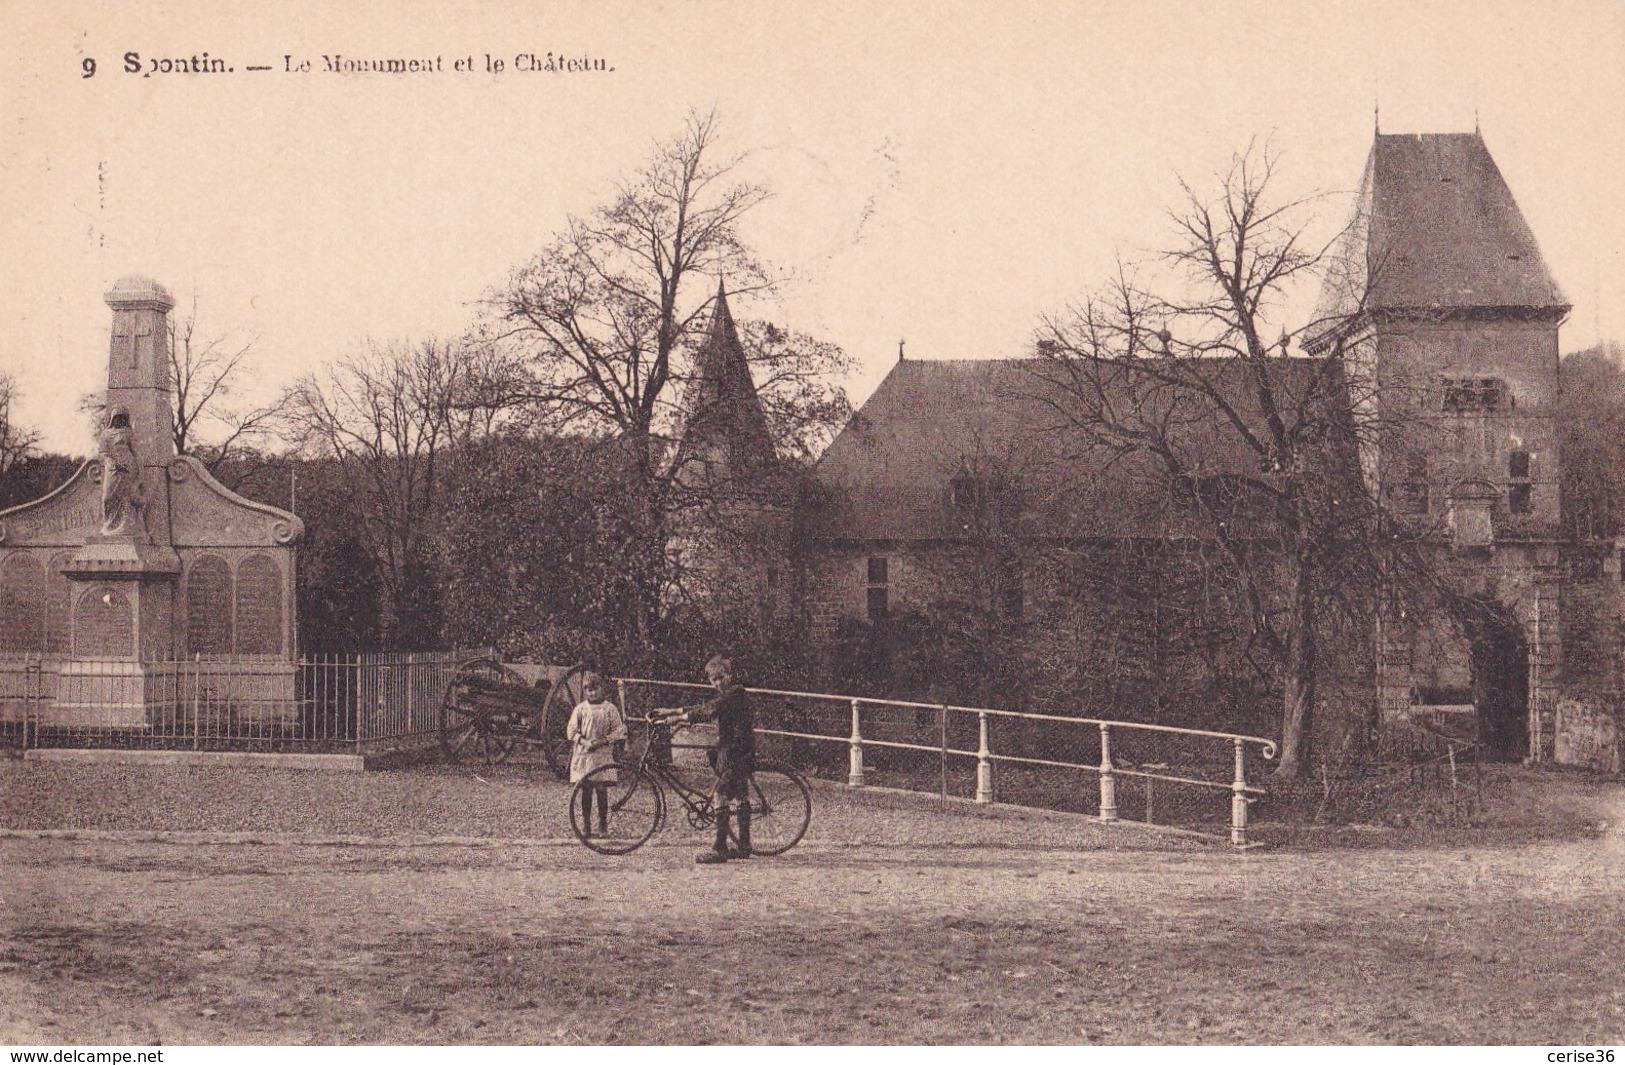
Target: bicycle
<point>780,800</point>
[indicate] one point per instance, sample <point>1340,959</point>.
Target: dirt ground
<point>894,922</point>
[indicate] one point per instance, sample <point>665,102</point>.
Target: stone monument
<point>141,561</point>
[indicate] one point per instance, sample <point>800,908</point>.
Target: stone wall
<point>1587,732</point>
<point>1113,629</point>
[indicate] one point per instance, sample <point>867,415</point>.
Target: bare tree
<point>396,417</point>
<point>609,315</point>
<point>605,311</point>
<point>207,374</point>
<point>16,441</point>
<point>1592,427</point>
<point>1195,377</point>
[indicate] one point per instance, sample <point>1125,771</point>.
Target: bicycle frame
<point>779,799</point>
<point>699,803</point>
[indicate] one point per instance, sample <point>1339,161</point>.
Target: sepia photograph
<point>849,523</point>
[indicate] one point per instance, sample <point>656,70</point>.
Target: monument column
<point>138,367</point>
<point>122,582</point>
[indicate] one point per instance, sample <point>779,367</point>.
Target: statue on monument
<point>120,471</point>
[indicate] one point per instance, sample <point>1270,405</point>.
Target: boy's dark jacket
<point>736,726</point>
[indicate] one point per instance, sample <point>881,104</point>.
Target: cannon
<point>490,710</point>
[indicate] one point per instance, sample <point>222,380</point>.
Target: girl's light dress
<point>594,724</point>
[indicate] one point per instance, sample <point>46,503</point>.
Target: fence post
<point>1238,798</point>
<point>854,773</point>
<point>984,761</point>
<point>197,684</point>
<point>1108,783</point>
<point>943,764</point>
<point>620,695</point>
<point>33,695</point>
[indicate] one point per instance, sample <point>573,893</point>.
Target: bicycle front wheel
<point>615,809</point>
<point>780,808</point>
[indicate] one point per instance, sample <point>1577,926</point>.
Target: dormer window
<point>968,493</point>
<point>1475,395</point>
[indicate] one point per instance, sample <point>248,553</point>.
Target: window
<point>1412,496</point>
<point>877,598</point>
<point>1475,395</point>
<point>1012,597</point>
<point>1520,490</point>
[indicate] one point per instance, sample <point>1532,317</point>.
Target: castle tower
<point>736,523</point>
<point>725,428</point>
<point>1449,317</point>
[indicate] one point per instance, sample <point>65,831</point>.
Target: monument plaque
<point>259,607</point>
<point>208,607</point>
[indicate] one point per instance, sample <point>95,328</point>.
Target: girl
<point>594,729</point>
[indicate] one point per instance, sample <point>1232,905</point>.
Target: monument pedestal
<point>124,596</point>
<point>103,694</point>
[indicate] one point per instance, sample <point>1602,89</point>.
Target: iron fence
<point>1155,773</point>
<point>358,703</point>
<point>370,703</point>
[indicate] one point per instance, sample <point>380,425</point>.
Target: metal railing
<point>984,739</point>
<point>359,703</point>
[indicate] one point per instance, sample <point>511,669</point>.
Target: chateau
<point>954,486</point>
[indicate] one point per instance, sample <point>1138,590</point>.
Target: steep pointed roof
<point>1441,231</point>
<point>721,406</point>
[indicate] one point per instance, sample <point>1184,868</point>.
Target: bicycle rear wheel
<point>626,810</point>
<point>780,808</point>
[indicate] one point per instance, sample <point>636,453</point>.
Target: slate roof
<point>1436,228</point>
<point>888,475</point>
<point>720,403</point>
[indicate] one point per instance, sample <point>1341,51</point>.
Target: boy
<point>735,757</point>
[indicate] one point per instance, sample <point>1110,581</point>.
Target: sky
<point>943,173</point>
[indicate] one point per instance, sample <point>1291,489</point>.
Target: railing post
<point>984,761</point>
<point>33,695</point>
<point>854,773</point>
<point>1238,798</point>
<point>1108,783</point>
<point>197,683</point>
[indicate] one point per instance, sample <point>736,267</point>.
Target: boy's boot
<point>719,848</point>
<point>742,823</point>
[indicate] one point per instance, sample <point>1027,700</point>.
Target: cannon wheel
<point>469,733</point>
<point>562,698</point>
